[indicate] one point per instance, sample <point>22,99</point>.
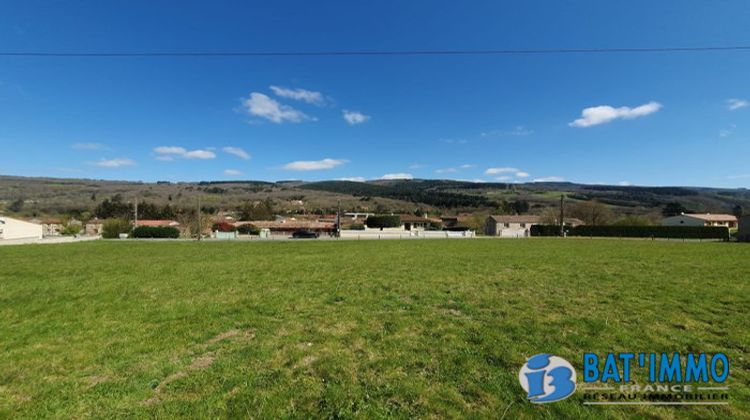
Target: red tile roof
<point>157,223</point>
<point>713,217</point>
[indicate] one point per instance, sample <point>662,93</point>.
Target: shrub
<point>111,229</point>
<point>156,232</point>
<point>224,227</point>
<point>355,226</point>
<point>248,230</point>
<point>670,232</point>
<point>71,230</point>
<point>383,221</point>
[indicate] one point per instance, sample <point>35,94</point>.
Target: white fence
<point>414,234</point>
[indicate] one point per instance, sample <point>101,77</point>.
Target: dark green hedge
<point>672,232</point>
<point>155,232</point>
<point>383,221</point>
<point>248,230</point>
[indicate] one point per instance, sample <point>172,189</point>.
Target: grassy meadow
<point>368,329</point>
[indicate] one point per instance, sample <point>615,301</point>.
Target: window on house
<point>507,225</point>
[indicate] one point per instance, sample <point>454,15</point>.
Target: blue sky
<point>641,119</point>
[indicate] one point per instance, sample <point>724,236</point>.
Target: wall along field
<point>353,329</point>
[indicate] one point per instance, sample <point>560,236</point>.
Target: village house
<point>93,227</point>
<point>518,226</point>
<point>694,219</point>
<point>19,229</point>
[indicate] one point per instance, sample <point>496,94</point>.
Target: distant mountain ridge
<point>57,195</point>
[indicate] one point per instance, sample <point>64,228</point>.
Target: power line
<point>209,54</point>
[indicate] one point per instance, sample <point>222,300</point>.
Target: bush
<point>248,230</point>
<point>111,229</point>
<point>156,232</point>
<point>670,232</point>
<point>71,230</point>
<point>355,226</point>
<point>383,221</point>
<point>223,227</point>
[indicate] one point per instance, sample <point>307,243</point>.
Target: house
<point>518,226</point>
<point>19,229</point>
<point>743,234</point>
<point>708,219</point>
<point>52,227</point>
<point>93,227</point>
<point>510,226</point>
<point>412,222</point>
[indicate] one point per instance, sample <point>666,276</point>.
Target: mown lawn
<point>431,328</point>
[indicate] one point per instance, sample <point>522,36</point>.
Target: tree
<point>256,211</point>
<point>591,212</point>
<point>383,221</point>
<point>673,209</point>
<point>737,210</point>
<point>16,206</point>
<point>112,229</point>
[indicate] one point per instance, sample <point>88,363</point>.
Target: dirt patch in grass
<point>202,359</point>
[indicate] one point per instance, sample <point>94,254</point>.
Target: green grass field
<point>353,329</point>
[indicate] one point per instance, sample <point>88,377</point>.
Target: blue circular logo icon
<point>547,378</point>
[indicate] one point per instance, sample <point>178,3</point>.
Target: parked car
<point>305,234</point>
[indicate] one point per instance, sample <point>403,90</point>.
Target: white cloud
<point>399,175</point>
<point>355,117</point>
<point>114,163</point>
<point>232,172</point>
<point>167,153</point>
<point>455,169</point>
<point>304,95</point>
<point>199,154</point>
<point>495,171</point>
<point>550,179</point>
<point>735,104</point>
<point>239,152</point>
<point>313,165</point>
<point>518,130</point>
<point>352,179</point>
<point>446,171</point>
<point>605,113</point>
<point>170,150</point>
<point>624,183</point>
<point>742,176</point>
<point>504,178</point>
<point>262,106</point>
<point>522,174</point>
<point>88,146</point>
<point>727,131</point>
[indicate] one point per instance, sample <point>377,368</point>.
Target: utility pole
<point>135,213</point>
<point>338,219</point>
<point>562,215</point>
<point>200,228</point>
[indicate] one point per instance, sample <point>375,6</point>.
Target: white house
<point>708,219</point>
<point>518,226</point>
<point>18,229</point>
<point>510,226</point>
